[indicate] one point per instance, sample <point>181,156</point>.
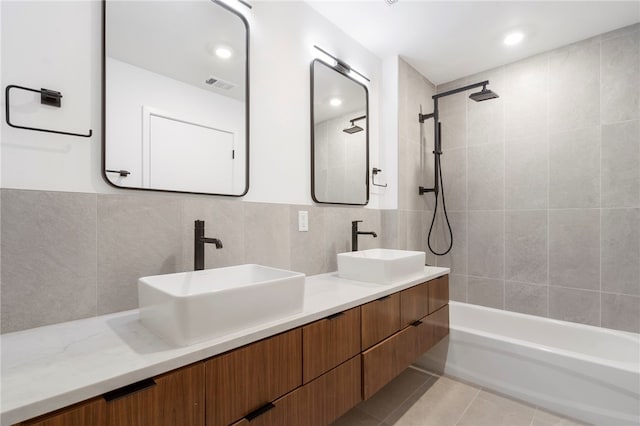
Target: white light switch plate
<point>303,221</point>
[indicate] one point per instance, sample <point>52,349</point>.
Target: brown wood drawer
<point>439,324</point>
<point>380,319</point>
<point>86,413</point>
<point>329,342</point>
<point>438,293</point>
<point>317,403</point>
<point>414,304</point>
<point>381,363</point>
<point>246,379</point>
<point>176,399</point>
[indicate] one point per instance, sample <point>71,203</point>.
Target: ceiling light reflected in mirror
<point>513,38</point>
<point>224,52</point>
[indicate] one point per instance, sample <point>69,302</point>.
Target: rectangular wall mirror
<point>339,137</point>
<point>176,97</point>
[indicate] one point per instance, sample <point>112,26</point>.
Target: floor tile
<point>439,403</point>
<point>356,417</point>
<point>489,409</point>
<point>543,418</point>
<point>389,398</point>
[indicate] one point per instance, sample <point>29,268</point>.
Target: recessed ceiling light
<point>335,102</point>
<point>513,38</point>
<point>224,52</point>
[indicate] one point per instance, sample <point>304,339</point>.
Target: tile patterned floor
<point>416,398</point>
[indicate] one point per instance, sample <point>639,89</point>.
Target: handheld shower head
<point>483,95</point>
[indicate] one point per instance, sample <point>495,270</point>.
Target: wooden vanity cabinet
<point>424,314</point>
<point>246,379</point>
<point>414,304</point>
<point>172,399</point>
<point>317,403</point>
<point>90,412</point>
<point>438,293</point>
<point>329,342</point>
<point>380,319</point>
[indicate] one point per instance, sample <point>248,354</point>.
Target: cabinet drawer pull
<point>260,411</point>
<point>334,316</point>
<point>416,323</point>
<point>383,298</point>
<point>129,389</point>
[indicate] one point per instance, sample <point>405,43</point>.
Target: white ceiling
<point>453,39</point>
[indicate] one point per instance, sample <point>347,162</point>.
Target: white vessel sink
<point>381,266</point>
<point>189,307</point>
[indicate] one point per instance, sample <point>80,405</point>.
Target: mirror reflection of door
<point>176,96</point>
<point>340,137</point>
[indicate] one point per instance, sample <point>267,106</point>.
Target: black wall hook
<point>47,97</point>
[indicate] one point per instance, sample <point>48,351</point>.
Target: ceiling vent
<point>219,83</point>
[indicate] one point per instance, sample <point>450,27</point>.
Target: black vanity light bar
<point>341,64</point>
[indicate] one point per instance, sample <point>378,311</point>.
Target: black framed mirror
<point>175,97</point>
<point>339,137</point>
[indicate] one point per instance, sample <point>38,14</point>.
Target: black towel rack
<point>47,97</point>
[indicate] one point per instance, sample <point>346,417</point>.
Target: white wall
<point>68,59</point>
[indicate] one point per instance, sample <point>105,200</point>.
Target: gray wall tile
<point>48,258</point>
<point>525,298</point>
<point>456,259</point>
<point>458,287</point>
<point>620,88</point>
<point>389,227</point>
<point>574,86</point>
<point>454,175</point>
<point>574,248</point>
<point>621,251</point>
<point>573,305</point>
<point>138,235</point>
<point>266,234</point>
<point>486,292</point>
<point>223,220</point>
<point>453,118</point>
<point>559,153</point>
<point>526,246</point>
<point>526,173</point>
<point>486,244</point>
<point>525,98</point>
<point>417,229</point>
<point>621,312</point>
<point>485,182</point>
<point>574,169</point>
<point>308,249</point>
<point>621,164</point>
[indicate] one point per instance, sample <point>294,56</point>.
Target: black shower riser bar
<point>437,144</point>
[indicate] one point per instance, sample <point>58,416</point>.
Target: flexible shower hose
<point>435,212</point>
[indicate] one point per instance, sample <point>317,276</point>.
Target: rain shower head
<point>483,95</point>
<point>353,129</point>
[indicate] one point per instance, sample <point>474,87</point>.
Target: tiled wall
<point>71,255</point>
<point>406,227</point>
<point>543,184</point>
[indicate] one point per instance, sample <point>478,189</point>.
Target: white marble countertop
<point>51,367</point>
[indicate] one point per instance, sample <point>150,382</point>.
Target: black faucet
<point>198,245</point>
<point>355,233</point>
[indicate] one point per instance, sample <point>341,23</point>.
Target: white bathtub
<point>588,373</point>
